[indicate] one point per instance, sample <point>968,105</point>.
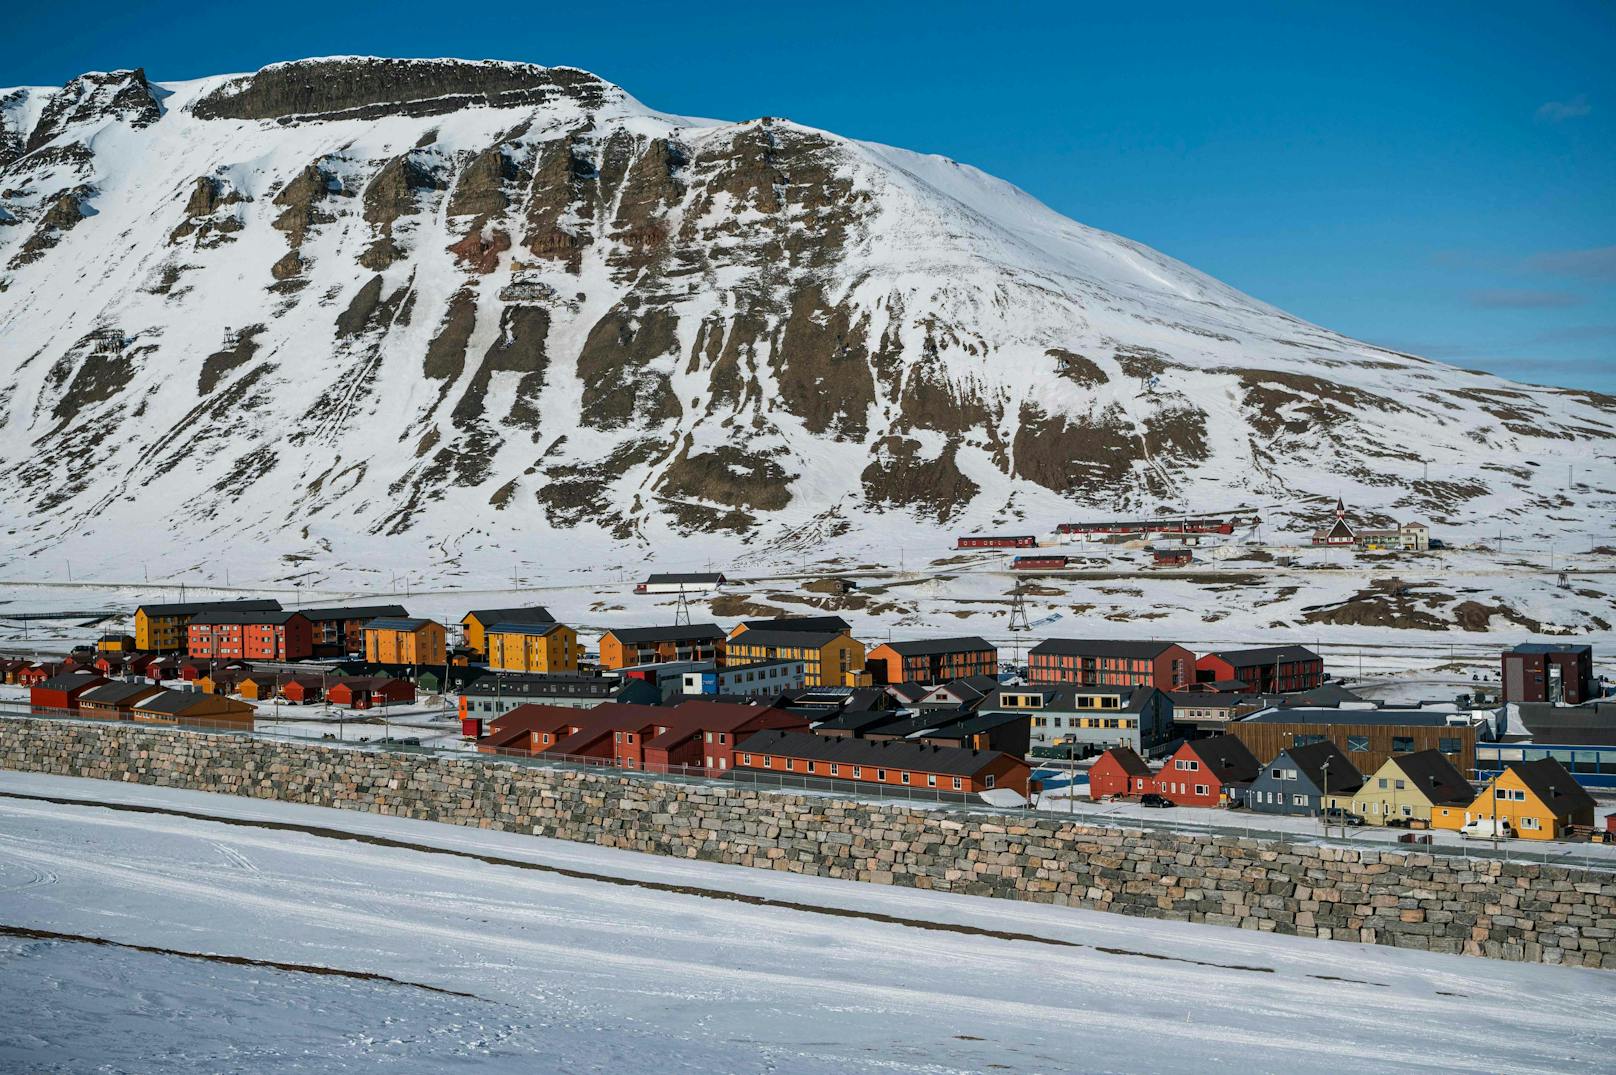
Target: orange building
<point>401,641</point>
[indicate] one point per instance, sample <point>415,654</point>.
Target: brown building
<point>889,763</point>
<point>1167,666</point>
<point>338,632</point>
<point>1549,672</point>
<point>1366,736</point>
<point>401,641</point>
<point>194,709</point>
<point>630,646</point>
<point>934,660</point>
<point>115,701</point>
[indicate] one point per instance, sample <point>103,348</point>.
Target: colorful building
<point>1208,772</point>
<point>892,763</point>
<point>115,701</point>
<point>1539,799</point>
<point>339,631</point>
<point>400,641</point>
<point>1368,736</point>
<point>248,634</point>
<point>934,660</point>
<point>191,708</point>
<point>161,628</point>
<point>1264,670</point>
<point>830,657</point>
<point>542,648</point>
<point>629,646</point>
<point>1120,771</point>
<point>1407,789</point>
<point>1300,780</point>
<point>1167,666</point>
<point>60,693</point>
<point>1549,672</point>
<point>475,623</point>
<point>1079,721</point>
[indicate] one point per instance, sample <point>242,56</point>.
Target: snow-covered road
<point>580,958</point>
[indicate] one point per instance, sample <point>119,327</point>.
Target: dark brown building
<point>1549,672</point>
<point>1367,736</point>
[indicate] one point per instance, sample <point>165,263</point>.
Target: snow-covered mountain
<point>360,311</point>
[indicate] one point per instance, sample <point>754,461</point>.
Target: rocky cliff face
<point>439,309</point>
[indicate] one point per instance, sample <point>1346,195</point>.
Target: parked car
<point>1486,828</point>
<point>1337,816</point>
<point>1154,800</point>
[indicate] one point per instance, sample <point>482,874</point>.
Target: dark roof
<point>113,693</point>
<point>1131,763</point>
<point>1214,699</point>
<point>799,639</point>
<point>672,633</point>
<point>1226,758</point>
<point>1591,724</point>
<point>1344,776</point>
<point>975,724</point>
<point>927,647</point>
<point>531,614</point>
<point>69,680</point>
<point>1549,647</point>
<point>859,720</point>
<point>539,686</point>
<point>909,691</point>
<point>1061,697</point>
<point>397,623</point>
<point>1436,778</point>
<point>1247,658</point>
<point>1422,718</point>
<point>243,616</point>
<point>191,608</point>
<point>909,727</point>
<point>887,753</point>
<point>540,627</point>
<point>356,612</point>
<point>798,623</point>
<point>1557,788</point>
<point>1329,694</point>
<point>712,577</point>
<point>1100,647</point>
<point>176,702</point>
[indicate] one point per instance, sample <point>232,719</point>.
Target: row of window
<point>1278,798</point>
<point>770,761</point>
<point>1085,722</point>
<point>1401,744</point>
<point>1177,788</point>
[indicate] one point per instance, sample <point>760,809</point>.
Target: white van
<point>1482,828</point>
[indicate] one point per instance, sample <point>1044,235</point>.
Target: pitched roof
<point>1131,763</point>
<point>1260,655</point>
<point>191,608</point>
<point>173,703</point>
<point>709,578</point>
<point>397,623</point>
<point>671,633</point>
<point>113,693</point>
<point>1435,777</point>
<point>1553,785</point>
<point>1100,647</point>
<point>1422,718</point>
<point>355,612</point>
<point>927,647</point>
<point>798,623</point>
<point>886,753</point>
<point>859,720</point>
<point>798,639</point>
<point>519,628</point>
<point>976,724</point>
<point>530,614</point>
<point>243,616</point>
<point>1062,697</point>
<point>70,680</point>
<point>1310,759</point>
<point>1226,758</point>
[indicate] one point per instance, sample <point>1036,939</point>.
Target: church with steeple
<point>1409,537</point>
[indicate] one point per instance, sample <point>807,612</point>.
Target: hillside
<point>356,314</point>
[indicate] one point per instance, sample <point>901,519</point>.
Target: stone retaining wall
<point>1515,911</point>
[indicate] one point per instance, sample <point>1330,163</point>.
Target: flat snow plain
<point>621,971</point>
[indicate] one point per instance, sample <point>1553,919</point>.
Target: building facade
<point>474,624</point>
<point>540,648</point>
<point>890,764</point>
<point>829,658</point>
<point>398,642</point>
<point>1080,721</point>
<point>161,628</point>
<point>1166,666</point>
<point>936,660</point>
<point>627,646</point>
<point>1368,736</point>
<point>1560,673</point>
<point>1264,670</point>
<point>1299,780</point>
<point>236,635</point>
<point>1539,799</point>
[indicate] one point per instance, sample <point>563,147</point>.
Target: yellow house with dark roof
<point>1539,798</point>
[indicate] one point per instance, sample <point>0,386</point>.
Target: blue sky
<point>1435,177</point>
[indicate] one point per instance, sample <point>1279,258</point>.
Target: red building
<point>1039,563</point>
<point>62,692</point>
<point>1207,772</point>
<point>1119,771</point>
<point>706,734</point>
<point>1267,670</point>
<point>35,674</point>
<point>997,541</point>
<point>241,634</point>
<point>1549,672</point>
<point>1167,666</point>
<point>895,763</point>
<point>302,690</point>
<point>1172,557</point>
<point>933,660</point>
<point>339,631</point>
<point>369,692</point>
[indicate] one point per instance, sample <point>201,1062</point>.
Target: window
<point>1402,744</point>
<point>1298,800</point>
<point>881,775</point>
<point>1530,823</point>
<point>858,772</point>
<point>1449,745</point>
<point>1290,774</point>
<point>768,762</point>
<point>957,784</point>
<point>1202,789</point>
<point>746,759</point>
<point>1308,739</point>
<point>931,780</point>
<point>1400,785</point>
<point>835,769</point>
<point>1383,783</point>
<point>1277,774</point>
<point>709,737</point>
<point>904,777</point>
<point>1358,743</point>
<point>990,780</point>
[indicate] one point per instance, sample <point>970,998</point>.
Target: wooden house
<point>1540,799</point>
<point>194,709</point>
<point>60,693</point>
<point>1120,771</point>
<point>115,701</point>
<point>1208,772</point>
<point>369,692</point>
<point>1407,789</point>
<point>934,660</point>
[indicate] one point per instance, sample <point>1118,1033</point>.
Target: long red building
<point>1266,670</point>
<point>1167,666</point>
<point>241,634</point>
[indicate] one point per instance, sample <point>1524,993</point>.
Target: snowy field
<point>635,963</point>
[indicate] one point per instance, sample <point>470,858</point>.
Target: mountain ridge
<point>442,308</point>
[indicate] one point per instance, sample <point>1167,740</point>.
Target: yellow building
<point>830,658</point>
<point>532,647</point>
<point>115,644</point>
<point>1406,789</point>
<point>400,641</point>
<point>475,623</point>
<point>1539,798</point>
<point>162,628</point>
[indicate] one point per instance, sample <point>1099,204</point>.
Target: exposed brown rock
<point>480,189</point>
<point>479,252</point>
<point>237,352</point>
<point>619,387</point>
<point>898,475</point>
<point>1065,454</point>
<point>823,367</point>
<point>730,476</point>
<point>299,200</point>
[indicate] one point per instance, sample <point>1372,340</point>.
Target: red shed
<point>1038,563</point>
<point>1207,772</point>
<point>1119,771</point>
<point>62,692</point>
<point>366,692</point>
<point>35,674</point>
